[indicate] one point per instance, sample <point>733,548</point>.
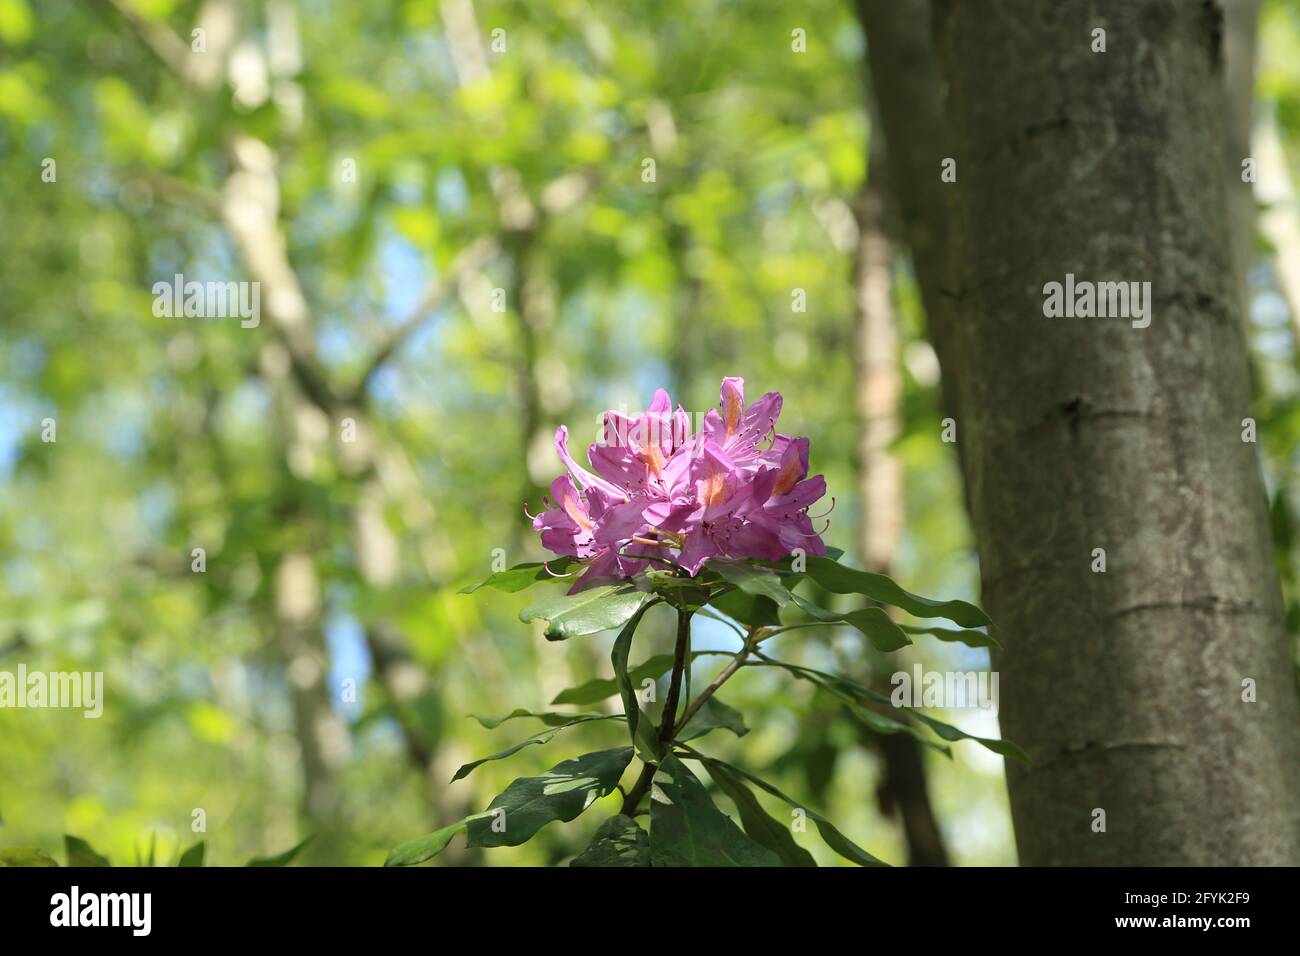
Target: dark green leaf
<point>751,610</point>
<point>758,582</point>
<point>561,793</point>
<point>836,840</point>
<point>600,609</point>
<point>600,689</point>
<point>550,718</point>
<point>541,737</point>
<point>619,841</point>
<point>840,579</point>
<point>618,658</point>
<point>281,859</point>
<point>682,593</point>
<point>948,732</point>
<point>686,829</point>
<point>712,715</point>
<point>81,853</point>
<point>847,690</point>
<point>873,622</point>
<point>193,856</point>
<point>969,637</point>
<point>846,693</point>
<point>758,823</point>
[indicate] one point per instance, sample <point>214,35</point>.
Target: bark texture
<point>1083,433</point>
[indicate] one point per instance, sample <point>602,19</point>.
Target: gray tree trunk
<point>1076,434</point>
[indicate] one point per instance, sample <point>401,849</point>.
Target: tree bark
<point>1240,26</point>
<point>1125,686</point>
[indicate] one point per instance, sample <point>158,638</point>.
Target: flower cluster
<point>658,492</point>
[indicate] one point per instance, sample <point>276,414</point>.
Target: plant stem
<point>668,725</point>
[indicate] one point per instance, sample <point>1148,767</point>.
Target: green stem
<point>667,726</point>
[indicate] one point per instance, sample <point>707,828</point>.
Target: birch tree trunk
<point>1125,685</point>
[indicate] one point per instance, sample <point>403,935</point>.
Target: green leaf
<point>683,593</point>
<point>594,691</point>
<point>561,793</point>
<point>426,847</point>
<point>751,610</point>
<point>872,622</point>
<point>712,715</point>
<point>26,856</point>
<point>836,840</point>
<point>758,823</point>
<point>618,657</point>
<point>193,856</point>
<point>550,718</point>
<point>758,582</point>
<point>281,859</point>
<point>686,829</point>
<point>81,853</point>
<point>969,637</point>
<point>619,841</point>
<point>523,576</point>
<point>541,737</point>
<point>948,732</point>
<point>847,693</point>
<point>840,579</point>
<point>602,688</point>
<point>600,609</point>
<point>847,689</point>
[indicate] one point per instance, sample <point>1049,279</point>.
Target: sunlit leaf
<point>600,609</point>
<point>523,576</point>
<point>561,794</point>
<point>686,829</point>
<point>758,823</point>
<point>840,579</point>
<point>619,841</point>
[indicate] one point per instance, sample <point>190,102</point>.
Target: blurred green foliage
<point>172,433</point>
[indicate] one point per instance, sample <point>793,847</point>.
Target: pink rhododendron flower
<point>656,493</point>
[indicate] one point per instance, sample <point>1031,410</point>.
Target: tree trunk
<point>1240,24</point>
<point>1124,685</point>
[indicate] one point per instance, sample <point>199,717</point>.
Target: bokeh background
<point>392,172</point>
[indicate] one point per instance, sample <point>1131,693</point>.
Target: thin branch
<point>736,663</point>
<point>437,295</point>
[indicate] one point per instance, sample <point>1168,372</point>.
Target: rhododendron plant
<point>658,494</point>
<point>712,521</point>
